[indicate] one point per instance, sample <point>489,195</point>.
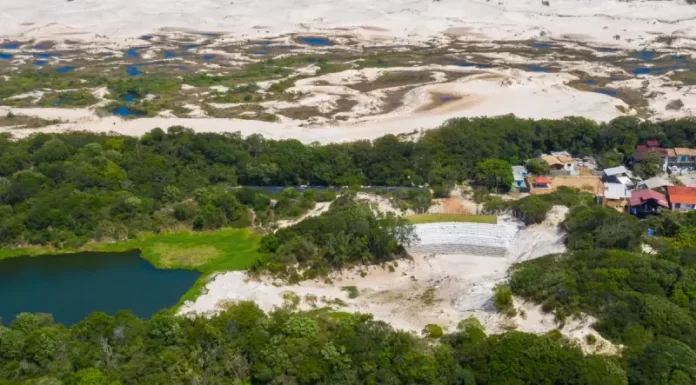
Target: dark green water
<point>74,285</point>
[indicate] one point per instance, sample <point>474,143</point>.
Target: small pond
<point>133,71</point>
<point>124,112</point>
<point>73,285</point>
<point>316,41</point>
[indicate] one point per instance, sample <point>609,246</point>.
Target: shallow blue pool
<point>64,70</point>
<point>538,69</point>
<point>5,56</point>
<point>125,112</point>
<point>133,53</point>
<point>208,57</point>
<point>46,55</point>
<point>170,54</point>
<point>607,91</point>
<point>645,55</point>
<point>10,45</point>
<point>316,41</point>
<point>133,71</point>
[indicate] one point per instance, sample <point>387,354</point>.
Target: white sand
<point>496,92</point>
<point>637,23</point>
<point>439,289</point>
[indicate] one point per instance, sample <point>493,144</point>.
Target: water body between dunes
<point>71,286</point>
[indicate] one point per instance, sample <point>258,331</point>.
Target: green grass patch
<point>210,251</point>
<point>207,252</point>
<point>434,218</point>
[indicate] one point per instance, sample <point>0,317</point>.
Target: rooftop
<point>542,180</point>
<point>683,151</point>
<point>616,191</point>
<point>639,197</point>
<point>681,194</point>
<point>615,171</point>
<point>655,182</point>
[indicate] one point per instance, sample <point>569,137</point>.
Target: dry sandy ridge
<point>637,23</point>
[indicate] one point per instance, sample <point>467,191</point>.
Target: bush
<point>502,299</point>
<point>184,211</point>
<point>352,291</point>
<point>433,331</point>
<point>591,339</point>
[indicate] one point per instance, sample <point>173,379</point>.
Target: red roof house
<point>681,198</point>
<point>653,143</point>
<point>642,197</point>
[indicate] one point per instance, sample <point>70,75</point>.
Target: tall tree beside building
<point>495,174</point>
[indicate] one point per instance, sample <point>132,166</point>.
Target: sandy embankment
<point>430,289</point>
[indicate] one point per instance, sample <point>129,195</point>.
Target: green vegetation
<point>433,218</point>
<point>68,99</point>
<point>208,251</point>
<point>433,331</point>
<point>352,291</point>
<point>23,121</point>
<point>494,174</point>
<point>645,302</point>
<point>502,298</point>
<point>349,233</point>
<point>66,189</point>
<point>533,208</point>
<point>243,345</point>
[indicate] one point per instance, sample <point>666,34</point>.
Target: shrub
<point>433,331</point>
<point>352,291</point>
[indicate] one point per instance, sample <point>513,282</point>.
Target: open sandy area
<point>441,289</point>
<point>491,93</point>
<point>636,23</point>
<point>587,183</point>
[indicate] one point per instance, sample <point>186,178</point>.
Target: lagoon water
<point>73,285</point>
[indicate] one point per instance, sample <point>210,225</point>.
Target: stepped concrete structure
<point>465,238</point>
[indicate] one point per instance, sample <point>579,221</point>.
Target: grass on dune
<point>434,218</point>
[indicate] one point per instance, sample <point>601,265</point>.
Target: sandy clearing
<point>441,289</point>
<point>637,23</point>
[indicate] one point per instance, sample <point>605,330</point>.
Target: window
<point>676,205</point>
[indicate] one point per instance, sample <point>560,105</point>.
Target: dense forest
<point>243,345</point>
<point>350,233</point>
<point>66,189</point>
<point>645,301</point>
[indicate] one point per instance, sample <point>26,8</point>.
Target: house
<point>654,183</point>
<point>620,175</point>
<point>653,143</point>
<point>643,152</point>
<point>685,158</point>
<point>681,198</point>
<point>519,173</point>
<point>616,195</point>
<point>644,202</point>
<point>539,184</point>
<point>560,162</point>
